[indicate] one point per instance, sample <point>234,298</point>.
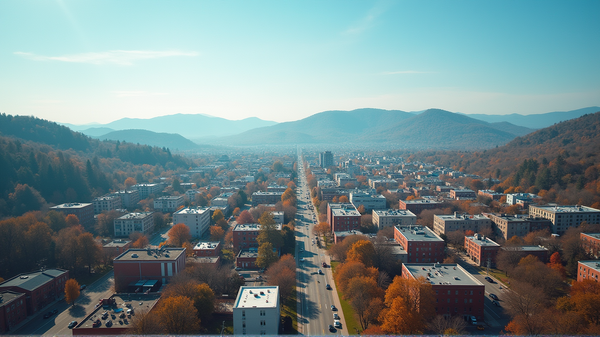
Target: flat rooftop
<point>257,297</point>
<point>482,241</point>
<point>593,235</point>
<point>7,296</point>
<point>71,205</point>
<point>206,245</point>
<point>467,217</point>
<point>566,209</point>
<point>171,197</point>
<point>348,233</point>
<point>345,212</point>
<point>418,233</point>
<point>267,193</point>
<point>31,281</point>
<point>194,211</point>
<point>250,227</point>
<point>592,264</point>
<point>394,213</point>
<point>442,274</point>
<point>420,201</point>
<point>164,254</point>
<point>525,248</point>
<point>132,216</point>
<point>137,302</point>
<point>117,243</point>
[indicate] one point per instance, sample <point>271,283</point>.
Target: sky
<point>96,61</point>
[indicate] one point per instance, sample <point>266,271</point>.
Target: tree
<point>339,250</point>
<point>130,181</point>
<point>268,231</point>
<point>266,255</point>
<point>204,301</point>
<point>442,325</point>
<point>217,215</point>
<point>350,269</point>
<point>321,229</point>
<point>90,250</point>
<point>409,306</point>
<point>178,234</point>
<point>244,218</point>
<point>279,274</point>
<point>145,323</point>
<point>178,316</point>
<point>71,291</point>
<point>362,251</point>
<point>525,302</point>
<point>344,199</point>
<point>72,220</point>
<point>366,299</point>
<point>141,242</point>
<point>216,233</point>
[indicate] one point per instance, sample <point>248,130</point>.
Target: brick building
<point>246,259</point>
<point>538,251</point>
<point>244,236</point>
<point>482,250</point>
<point>116,247</point>
<point>507,225</point>
<point>83,211</point>
<point>417,205</point>
<point>40,288</point>
<point>13,310</point>
<point>591,243</point>
<point>565,217</point>
<point>147,265</point>
<point>421,244</point>
<point>443,224</point>
<point>491,194</point>
<point>393,217</point>
<point>342,217</point>
<point>206,248</point>
<point>457,293</point>
<point>588,270</point>
<point>341,235</point>
<point>465,194</point>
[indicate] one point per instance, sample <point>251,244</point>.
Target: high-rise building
<point>326,159</point>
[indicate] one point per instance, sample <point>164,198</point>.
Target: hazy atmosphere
<point>98,61</point>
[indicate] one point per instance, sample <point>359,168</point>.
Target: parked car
<point>496,303</point>
<point>480,327</point>
<point>72,324</point>
<point>83,286</point>
<point>493,296</point>
<point>473,320</point>
<point>324,265</point>
<point>333,308</point>
<point>489,279</point>
<point>108,324</point>
<point>331,328</point>
<point>97,324</point>
<point>47,315</point>
<point>328,287</point>
<point>337,324</point>
<point>336,316</point>
<point>320,272</point>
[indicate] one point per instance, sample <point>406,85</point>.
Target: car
<point>337,324</point>
<point>328,287</point>
<point>489,279</point>
<point>238,268</point>
<point>493,296</point>
<point>47,315</point>
<point>105,315</point>
<point>480,327</point>
<point>473,320</point>
<point>108,324</point>
<point>82,287</point>
<point>496,303</point>
<point>333,308</point>
<point>72,324</point>
<point>302,260</point>
<point>331,328</point>
<point>320,272</point>
<point>324,265</point>
<point>97,324</point>
<point>335,316</point>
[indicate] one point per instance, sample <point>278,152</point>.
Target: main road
<point>314,299</point>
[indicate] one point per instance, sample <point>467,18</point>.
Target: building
<point>490,194</point>
<point>168,204</point>
<point>244,236</point>
<point>564,217</point>
<point>588,270</point>
<point>13,310</point>
<point>340,236</point>
<point>464,194</point>
<point>129,198</point>
<point>116,247</point>
<point>417,205</point>
<point>134,222</point>
<point>421,244</point>
<point>278,216</point>
<point>256,311</point>
<point>155,266</point>
<point>197,219</point>
<point>326,159</point>
<point>207,248</point>
<point>370,202</point>
<point>40,288</point>
<point>83,211</point>
<point>393,217</point>
<point>482,250</point>
<point>591,243</point>
<point>457,293</point>
<point>246,259</point>
<point>342,217</point>
<point>146,190</point>
<point>106,203</point>
<point>538,251</point>
<point>329,193</point>
<point>520,198</point>
<point>443,224</point>
<point>265,198</point>
<point>507,226</point>
<point>93,325</point>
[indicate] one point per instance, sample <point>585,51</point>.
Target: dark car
<point>72,324</point>
<point>320,272</point>
<point>493,296</point>
<point>333,308</point>
<point>47,315</point>
<point>324,265</point>
<point>496,303</point>
<point>489,279</point>
<point>97,323</point>
<point>331,328</point>
<point>83,286</point>
<point>328,287</point>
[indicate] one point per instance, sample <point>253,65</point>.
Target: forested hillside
<point>561,162</point>
<point>41,162</point>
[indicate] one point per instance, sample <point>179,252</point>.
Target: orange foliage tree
<point>346,271</point>
<point>216,233</point>
<point>409,306</point>
<point>178,316</point>
<point>362,251</point>
<point>72,220</point>
<point>244,218</point>
<point>344,199</point>
<point>71,291</point>
<point>141,242</point>
<point>178,234</point>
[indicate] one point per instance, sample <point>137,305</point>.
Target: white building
<point>370,202</point>
<point>256,311</point>
<point>197,219</point>
<point>168,204</point>
<point>563,217</point>
<point>129,199</point>
<point>134,222</point>
<point>145,190</point>
<point>393,217</point>
<point>106,203</point>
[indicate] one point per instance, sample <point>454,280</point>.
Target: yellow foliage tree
<point>71,291</point>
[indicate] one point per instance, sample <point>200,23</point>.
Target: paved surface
<point>314,300</point>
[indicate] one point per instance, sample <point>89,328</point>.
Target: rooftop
<point>31,281</point>
<point>206,245</point>
<point>163,254</point>
<point>170,197</point>
<point>442,273</point>
<point>592,264</point>
<point>140,216</point>
<point>593,235</point>
<point>483,241</point>
<point>117,243</point>
<point>348,233</point>
<point>394,212</point>
<point>250,227</point>
<point>196,210</point>
<point>566,209</point>
<point>257,297</point>
<point>418,233</point>
<point>71,205</point>
<point>345,212</point>
<point>525,248</point>
<point>7,296</point>
<point>468,217</point>
<point>122,302</point>
<point>420,201</point>
<point>267,193</point>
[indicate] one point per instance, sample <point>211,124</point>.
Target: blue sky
<point>100,60</point>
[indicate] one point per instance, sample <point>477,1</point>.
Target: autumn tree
<point>216,233</point>
<point>266,255</point>
<point>244,218</point>
<point>141,242</point>
<point>343,199</point>
<point>90,251</point>
<point>217,215</point>
<point>350,269</point>
<point>584,300</point>
<point>178,234</point>
<point>362,251</point>
<point>409,306</point>
<point>339,250</point>
<point>321,229</point>
<point>556,264</point>
<point>72,220</point>
<point>71,291</point>
<point>366,299</point>
<point>268,231</point>
<point>283,274</point>
<point>525,303</point>
<point>178,316</point>
<point>130,181</point>
<point>145,323</point>
<point>204,301</point>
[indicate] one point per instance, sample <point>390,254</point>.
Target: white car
<point>337,324</point>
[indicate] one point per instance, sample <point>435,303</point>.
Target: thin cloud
<point>138,93</point>
<point>119,57</point>
<point>407,72</point>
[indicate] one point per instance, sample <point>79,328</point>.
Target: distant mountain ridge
<point>172,141</point>
<point>536,121</point>
<point>191,126</point>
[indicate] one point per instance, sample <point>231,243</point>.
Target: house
<point>588,270</point>
<point>482,250</point>
<point>13,310</point>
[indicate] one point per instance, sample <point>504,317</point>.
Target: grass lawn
<point>290,308</point>
<point>500,276</point>
<point>351,323</point>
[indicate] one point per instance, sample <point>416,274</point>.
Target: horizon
<point>96,62</point>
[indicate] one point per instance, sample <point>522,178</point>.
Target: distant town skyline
<point>97,61</point>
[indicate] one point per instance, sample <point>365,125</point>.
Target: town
<point>310,242</point>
